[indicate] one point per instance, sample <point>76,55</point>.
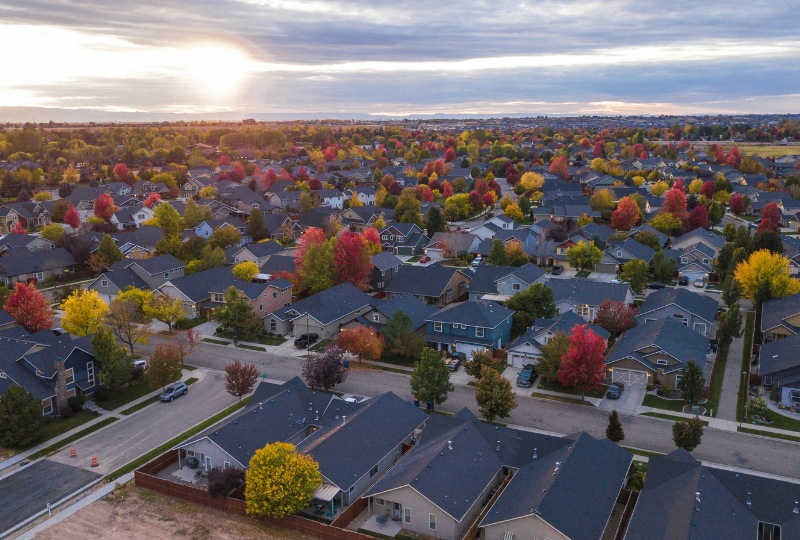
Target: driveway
<point>603,277</point>
<point>566,274</point>
<point>28,491</point>
<point>628,403</point>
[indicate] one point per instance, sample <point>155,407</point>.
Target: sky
<point>409,58</point>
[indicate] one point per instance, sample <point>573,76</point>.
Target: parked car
<point>656,286</point>
<point>683,280</point>
<point>476,261</point>
<point>140,364</point>
<point>173,391</point>
<point>526,376</point>
<point>305,340</point>
<point>615,390</point>
<point>454,359</point>
<point>424,259</point>
<point>557,269</point>
<point>700,282</point>
<point>59,331</point>
<point>618,281</point>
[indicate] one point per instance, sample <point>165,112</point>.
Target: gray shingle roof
<point>485,278</point>
<point>385,260</point>
<point>669,335</point>
<point>779,355</point>
<point>158,264</point>
<point>562,323</point>
<point>486,315</point>
<point>710,237</point>
<point>696,304</point>
<point>428,280</point>
<point>583,291</point>
<point>26,262</point>
<point>416,310</point>
<point>329,305</point>
<point>636,249</point>
<point>775,311</point>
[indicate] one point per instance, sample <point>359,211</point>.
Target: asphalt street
<point>763,454</point>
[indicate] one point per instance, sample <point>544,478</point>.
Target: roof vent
<point>749,501</point>
<point>534,453</point>
<point>235,421</point>
<point>795,510</point>
<point>697,496</point>
<point>737,475</point>
<point>216,433</point>
<point>498,446</point>
<point>416,479</point>
<point>344,419</point>
<point>317,416</point>
<point>449,445</point>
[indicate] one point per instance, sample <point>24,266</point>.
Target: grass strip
<point>656,402</point>
<point>562,398</point>
<point>669,417</point>
<point>715,388</point>
<point>643,453</point>
<point>251,348</point>
<point>155,452</point>
<point>72,438</point>
<point>187,367</point>
<point>216,341</point>
<point>747,348</point>
<point>782,436</point>
<point>152,399</point>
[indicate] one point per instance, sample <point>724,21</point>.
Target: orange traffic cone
<point>94,461</point>
<point>72,453</point>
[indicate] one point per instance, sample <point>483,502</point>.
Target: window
<point>378,501</point>
<point>39,275</point>
<point>274,294</point>
<point>407,515</point>
<point>432,521</point>
<point>437,327</point>
<point>47,406</point>
<point>141,216</point>
<point>448,296</point>
<point>380,284</point>
<point>767,381</point>
<point>2,375</point>
<point>478,332</point>
<point>619,254</point>
<point>90,373</point>
<point>705,260</point>
<point>768,531</point>
<point>684,260</point>
<point>649,320</point>
<point>69,376</point>
<point>385,237</point>
<point>104,283</point>
<point>794,396</point>
<point>376,317</point>
<point>226,464</point>
<point>700,327</point>
<point>166,275</point>
<point>273,326</point>
<point>218,297</point>
<point>661,362</point>
<point>515,286</point>
<point>260,307</point>
<point>236,259</point>
<point>373,471</point>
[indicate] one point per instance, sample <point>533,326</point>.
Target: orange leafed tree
<point>29,308</point>
<point>362,341</point>
<point>152,199</point>
<point>352,256</point>
<point>104,207</point>
<point>626,215</point>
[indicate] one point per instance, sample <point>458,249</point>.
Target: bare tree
<point>128,322</point>
<point>240,378</point>
<point>186,344</point>
<point>326,369</point>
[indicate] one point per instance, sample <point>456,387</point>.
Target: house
<point>405,239</point>
<point>353,443</point>
<point>384,267</point>
<point>359,218</point>
<point>525,236</point>
<point>526,349</point>
<point>779,368</point>
<point>656,352</point>
<point>683,498</point>
<point>366,194</point>
<point>416,310</point>
<point>25,241</point>
<point>433,284</point>
<point>780,318</point>
<point>445,244</point>
<point>52,368</point>
<point>711,240</point>
<point>132,217</point>
<point>139,273</point>
<point>256,253</point>
<point>275,264</point>
<point>29,214</point>
<point>663,239</point>
<point>559,213</point>
<point>695,311</point>
<point>205,229</point>
<point>694,261</point>
<point>499,283</point>
<point>322,313</point>
<point>584,297</point>
<point>448,481</point>
<point>331,197</point>
<point>282,228</point>
<point>22,265</point>
<point>597,233</point>
<point>631,249</point>
<point>469,327</point>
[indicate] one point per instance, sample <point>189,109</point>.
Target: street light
<point>744,398</point>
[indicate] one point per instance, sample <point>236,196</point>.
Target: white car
<point>618,281</point>
<point>700,282</point>
<point>476,261</point>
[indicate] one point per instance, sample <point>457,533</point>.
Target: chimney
<point>61,384</point>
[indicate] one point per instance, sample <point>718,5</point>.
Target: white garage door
<point>693,275</point>
<point>468,349</point>
<point>519,360</point>
<point>630,377</point>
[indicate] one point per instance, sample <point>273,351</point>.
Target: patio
<point>381,524</point>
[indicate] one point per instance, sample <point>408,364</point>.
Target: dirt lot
<point>133,513</point>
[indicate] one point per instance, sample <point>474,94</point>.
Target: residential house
<point>22,265</point>
<point>30,242</point>
<point>559,213</point>
<point>366,194</point>
<point>275,264</point>
<point>584,297</point>
<point>148,273</point>
<point>256,253</point>
<point>527,237</point>
<point>780,318</point>
<point>694,261</point>
<point>405,239</point>
<point>499,283</point>
<point>331,197</point>
<point>205,229</point>
<point>597,233</point>
<point>446,244</point>
<point>133,216</point>
<point>657,352</point>
<point>526,349</point>
<point>323,313</point>
<point>433,284</point>
<point>630,249</point>
<point>416,310</point>
<point>29,214</point>
<point>281,227</point>
<point>711,240</point>
<point>384,267</point>
<point>359,218</point>
<point>696,311</point>
<point>470,327</point>
<point>779,368</point>
<point>663,239</point>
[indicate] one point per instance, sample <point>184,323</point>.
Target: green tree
<point>729,231</point>
<point>256,228</point>
<point>400,338</point>
<point>192,248</point>
<point>691,383</point>
<point>430,381</point>
<point>743,238</point>
<point>687,434</point>
<point>493,395</point>
<point>614,431</point>
<point>663,267</point>
<point>52,232</point>
<point>225,237</point>
<point>280,481</point>
<point>167,310</point>
<point>497,255</point>
<point>109,251</point>
<point>731,292</point>
<point>474,366</point>
<point>715,213</point>
<point>237,313</point>
<point>115,365</point>
<point>535,302</point>
<point>209,258</point>
<point>318,269</point>
<point>408,209</point>
<point>20,417</point>
<point>194,214</point>
<point>724,258</point>
<point>730,325</point>
<point>635,273</point>
<point>168,245</point>
<point>306,202</point>
<point>127,318</point>
<point>434,222</point>
<point>168,219</point>
<point>552,352</point>
<point>584,256</point>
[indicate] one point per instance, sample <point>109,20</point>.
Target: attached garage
<point>468,348</point>
<point>520,359</point>
<point>629,377</point>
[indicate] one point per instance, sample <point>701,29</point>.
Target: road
<point>767,455</point>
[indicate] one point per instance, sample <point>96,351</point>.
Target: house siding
<point>526,527</point>
<point>673,311</point>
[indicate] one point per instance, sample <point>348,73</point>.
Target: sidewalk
<point>723,425</point>
<point>116,413</point>
<point>731,381</point>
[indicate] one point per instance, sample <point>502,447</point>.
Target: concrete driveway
<point>628,403</point>
<point>601,277</point>
<point>566,274</point>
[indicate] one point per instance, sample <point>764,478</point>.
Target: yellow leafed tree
<point>245,270</point>
<point>532,181</point>
<point>766,275</point>
<point>280,481</point>
<point>83,312</point>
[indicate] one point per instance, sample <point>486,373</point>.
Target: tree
<point>165,365</point>
<point>531,181</point>
<point>225,237</point>
<point>104,207</point>
<point>515,253</point>
<point>122,174</point>
<point>716,211</point>
<point>475,200</point>
<point>695,186</point>
<point>20,417</point>
<point>614,430</point>
<point>603,202</point>
<point>256,229</point>
<point>480,359</point>
<point>773,215</point>
<point>667,224</point>
<point>535,302</point>
<point>514,212</point>
<point>187,343</point>
<point>552,352</point>
<point>767,239</point>
<point>29,308</point>
<point>193,214</point>
<point>663,267</point>
<point>691,383</point>
<point>497,255</point>
<point>224,481</point>
<point>434,222</point>
<point>314,260</point>
<point>127,318</point>
<point>209,258</point>
<point>616,317</point>
<point>730,325</point>
<point>766,269</point>
<point>153,198</point>
<point>167,310</point>
<point>246,270</point>
<point>109,251</point>
<point>649,239</point>
<point>626,215</point>
<point>352,258</point>
<point>237,314</point>
<point>325,369</point>
<point>736,204</point>
<point>559,166</point>
<point>430,381</point>
<point>399,337</point>
<point>675,203</point>
<point>584,256</point>
<point>493,395</point>
<point>408,209</point>
<point>582,368</point>
<point>280,481</point>
<point>240,378</point>
<point>52,232</point>
<point>731,292</point>
<point>687,434</point>
<point>72,218</point>
<point>635,273</point>
<point>698,218</point>
<point>83,312</point>
<point>115,366</point>
<point>361,341</point>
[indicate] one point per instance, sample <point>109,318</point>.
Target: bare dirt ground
<point>134,513</point>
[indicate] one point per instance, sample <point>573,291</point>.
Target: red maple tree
<point>449,155</point>
<point>18,228</point>
<point>362,341</point>
<point>616,317</point>
<point>352,259</point>
<point>698,218</point>
<point>447,189</point>
<point>475,200</point>
<point>72,218</point>
<point>312,236</point>
<point>708,189</point>
<point>152,199</point>
<point>736,204</point>
<point>675,203</point>
<point>772,214</point>
<point>224,159</point>
<point>582,368</point>
<point>29,308</point>
<point>559,166</point>
<point>439,168</point>
<point>123,174</point>
<point>626,215</point>
<point>427,194</point>
<point>104,207</point>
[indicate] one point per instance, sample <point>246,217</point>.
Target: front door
<point>396,511</point>
<point>208,463</point>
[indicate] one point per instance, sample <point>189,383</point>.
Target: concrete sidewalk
<point>732,380</point>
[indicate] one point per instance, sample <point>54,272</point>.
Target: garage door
<point>630,377</point>
<point>468,349</point>
<point>519,360</point>
<point>606,268</point>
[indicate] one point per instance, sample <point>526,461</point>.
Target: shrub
<point>136,374</point>
<point>65,411</point>
<point>667,389</point>
<point>101,394</point>
<point>76,403</point>
<point>224,481</point>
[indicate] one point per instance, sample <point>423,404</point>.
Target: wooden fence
<point>629,498</point>
<point>350,513</point>
<point>472,532</point>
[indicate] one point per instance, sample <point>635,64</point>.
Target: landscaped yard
<point>715,387</point>
<point>319,345</point>
<point>128,394</point>
<point>562,398</point>
<point>555,386</point>
<point>412,260</point>
<point>252,348</point>
<point>216,341</point>
<point>186,324</point>
<point>670,417</point>
<point>660,403</point>
<point>264,340</point>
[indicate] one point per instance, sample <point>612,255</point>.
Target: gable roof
<point>562,323</point>
<point>428,280</point>
<point>328,305</point>
<point>583,291</point>
<point>699,305</point>
<point>780,355</point>
<point>670,336</point>
<point>776,310</point>
<point>636,249</point>
<point>416,310</point>
<point>458,242</point>
<point>708,236</point>
<point>385,260</point>
<point>485,315</point>
<point>19,262</point>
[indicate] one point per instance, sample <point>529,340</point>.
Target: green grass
<point>412,260</point>
<point>660,403</point>
<point>781,422</point>
<point>715,387</point>
<point>58,426</point>
<point>320,345</point>
<point>141,460</point>
<point>555,386</point>
<point>273,341</point>
<point>187,367</point>
<point>128,394</point>
<point>769,434</point>
<point>216,341</point>
<point>424,408</point>
<point>561,398</point>
<point>582,274</point>
<point>139,406</point>
<point>186,324</point>
<point>397,360</point>
<point>747,348</point>
<point>669,417</point>
<point>72,438</point>
<point>643,453</point>
<point>251,348</point>
<point>191,380</point>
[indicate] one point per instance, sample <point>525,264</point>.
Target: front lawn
<point>412,260</point>
<point>583,274</point>
<point>128,394</point>
<point>186,324</point>
<point>251,348</point>
<point>562,398</point>
<point>660,403</point>
<point>782,436</point>
<point>272,341</point>
<point>216,341</point>
<point>320,345</point>
<point>555,386</point>
<point>670,417</point>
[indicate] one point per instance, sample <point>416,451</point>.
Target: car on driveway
<point>700,283</point>
<point>425,259</point>
<point>615,390</point>
<point>477,261</point>
<point>173,391</point>
<point>454,360</point>
<point>526,376</point>
<point>683,280</point>
<point>656,286</point>
<point>618,281</point>
<point>557,269</point>
<point>305,340</point>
